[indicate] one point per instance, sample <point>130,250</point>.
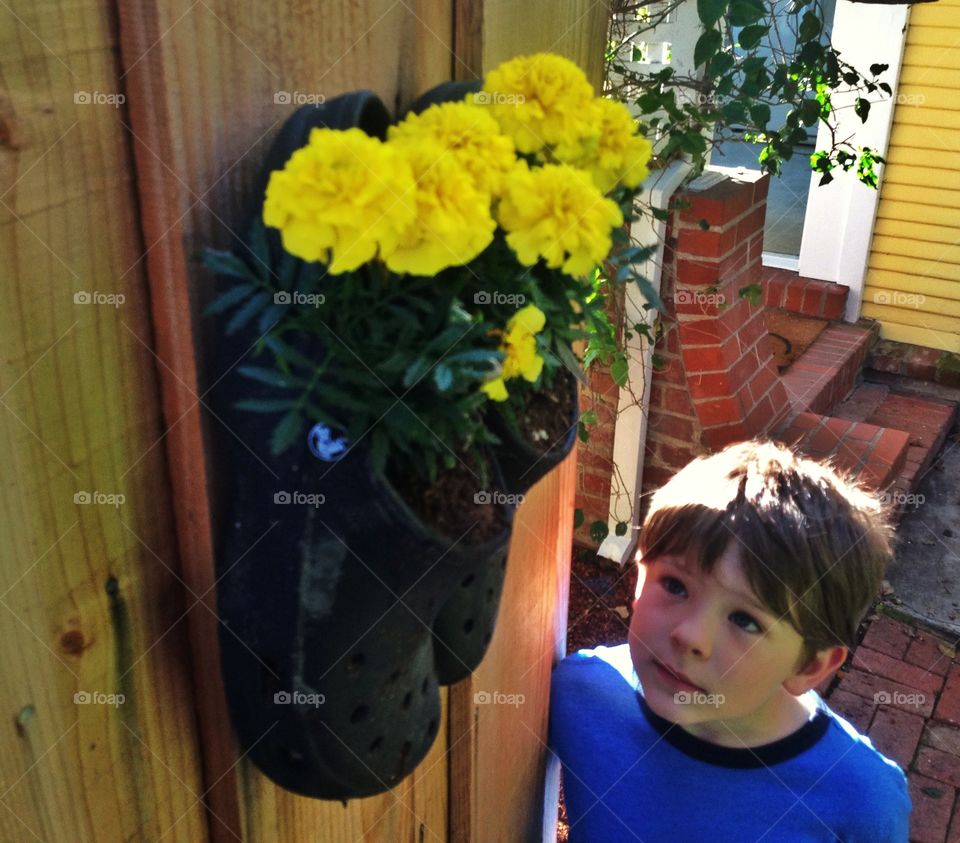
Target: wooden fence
<point>130,134</point>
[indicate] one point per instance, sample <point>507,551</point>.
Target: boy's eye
<point>672,585</point>
<point>745,622</point>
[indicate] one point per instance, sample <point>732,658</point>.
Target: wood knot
<point>72,641</point>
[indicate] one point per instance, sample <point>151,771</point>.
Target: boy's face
<point>735,656</point>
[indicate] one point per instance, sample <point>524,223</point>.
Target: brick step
<point>827,371</point>
<point>804,296</point>
<point>915,361</point>
<point>927,421</point>
<point>872,454</point>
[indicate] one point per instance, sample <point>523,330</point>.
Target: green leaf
<point>862,109</point>
<point>620,370</point>
<point>750,36</point>
<point>707,45</point>
<point>752,292</point>
<point>710,11</point>
<point>265,405</point>
<point>231,297</point>
<point>577,518</point>
<point>443,377</point>
<point>569,360</point>
<point>415,371</point>
<point>650,294</point>
<point>810,112</point>
<point>877,69</point>
<point>760,114</point>
<point>599,531</point>
<point>247,312</point>
<point>810,26</point>
<point>286,432</point>
<point>734,112</point>
<point>226,263</point>
<point>583,433</point>
<point>269,377</point>
<point>288,352</point>
<point>745,12</point>
<point>270,317</point>
<point>720,64</point>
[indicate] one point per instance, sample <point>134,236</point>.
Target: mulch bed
<point>601,595</point>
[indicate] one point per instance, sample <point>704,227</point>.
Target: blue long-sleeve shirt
<point>629,775</point>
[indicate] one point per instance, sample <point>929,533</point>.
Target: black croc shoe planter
<point>465,624</point>
<point>328,585</point>
<point>464,627</point>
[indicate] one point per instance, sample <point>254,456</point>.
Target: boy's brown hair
<point>814,544</point>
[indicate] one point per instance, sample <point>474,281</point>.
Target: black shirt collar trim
<point>739,758</point>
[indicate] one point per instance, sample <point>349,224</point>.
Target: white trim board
<point>838,225</point>
<point>630,431</point>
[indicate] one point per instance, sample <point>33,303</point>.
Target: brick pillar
<point>595,456</point>
<point>716,382</point>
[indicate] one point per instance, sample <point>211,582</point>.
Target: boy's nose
<point>694,634</point>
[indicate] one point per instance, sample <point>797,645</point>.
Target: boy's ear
<point>822,665</point>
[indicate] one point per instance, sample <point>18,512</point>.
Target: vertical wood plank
<point>202,77</point>
<point>99,740</point>
<point>499,714</point>
<point>498,765</point>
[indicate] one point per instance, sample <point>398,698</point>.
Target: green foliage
<point>746,71</point>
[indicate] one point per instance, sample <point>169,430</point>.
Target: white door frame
<point>839,220</point>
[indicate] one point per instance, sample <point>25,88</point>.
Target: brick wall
<point>718,382</point>
<point>715,381</point>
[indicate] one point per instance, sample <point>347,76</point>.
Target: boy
<point>756,567</point>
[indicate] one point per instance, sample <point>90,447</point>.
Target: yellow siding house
<point>913,276</point>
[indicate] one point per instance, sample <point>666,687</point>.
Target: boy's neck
<point>787,716</point>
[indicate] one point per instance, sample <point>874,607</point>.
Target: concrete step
<point>872,454</point>
<point>827,371</point>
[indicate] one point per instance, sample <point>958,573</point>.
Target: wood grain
<point>91,599</point>
<point>204,79</point>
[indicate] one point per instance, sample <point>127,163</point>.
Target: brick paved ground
<point>902,688</point>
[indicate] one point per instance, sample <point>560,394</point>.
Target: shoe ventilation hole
<point>431,727</point>
<point>394,676</point>
<point>503,564</point>
<point>489,595</point>
<point>359,714</point>
<point>468,626</point>
<point>408,698</point>
<point>425,685</point>
<point>467,581</point>
<point>375,744</point>
<point>357,660</point>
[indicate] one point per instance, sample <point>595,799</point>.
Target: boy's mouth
<point>676,676</point>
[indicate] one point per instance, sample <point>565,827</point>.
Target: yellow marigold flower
<point>469,133</point>
<point>495,390</point>
<point>539,100</point>
<point>335,201</point>
<point>556,212</point>
<point>615,153</point>
<point>520,347</point>
<point>452,222</point>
